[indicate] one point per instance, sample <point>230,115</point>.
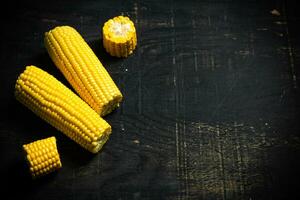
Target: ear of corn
<point>81,67</point>
<point>42,156</point>
<point>59,106</point>
<point>119,36</point>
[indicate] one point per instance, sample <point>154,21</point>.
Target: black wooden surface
<point>210,109</point>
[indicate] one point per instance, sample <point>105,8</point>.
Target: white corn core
<point>119,29</point>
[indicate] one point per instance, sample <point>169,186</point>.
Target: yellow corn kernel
<point>55,103</point>
<point>119,36</point>
<point>42,165</point>
<point>81,67</point>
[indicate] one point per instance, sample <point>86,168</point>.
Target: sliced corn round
<point>119,36</point>
<point>48,159</point>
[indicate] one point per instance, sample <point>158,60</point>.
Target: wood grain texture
<point>210,110</point>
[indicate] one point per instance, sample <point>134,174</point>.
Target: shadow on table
<point>99,50</point>
<point>19,183</point>
<point>26,127</point>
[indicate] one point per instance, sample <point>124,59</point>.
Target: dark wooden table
<point>211,102</point>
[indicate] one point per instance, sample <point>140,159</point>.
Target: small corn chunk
<point>42,156</point>
<point>81,67</point>
<point>55,103</point>
<point>119,36</point>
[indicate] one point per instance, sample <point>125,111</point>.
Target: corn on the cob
<point>42,156</point>
<point>119,36</point>
<point>81,67</point>
<point>63,109</point>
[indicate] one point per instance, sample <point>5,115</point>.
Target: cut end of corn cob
<point>59,106</point>
<point>42,156</point>
<point>81,67</point>
<point>119,36</point>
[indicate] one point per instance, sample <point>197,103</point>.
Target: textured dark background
<point>211,102</point>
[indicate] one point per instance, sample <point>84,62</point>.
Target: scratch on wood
<point>262,29</point>
<point>135,8</point>
<point>290,50</point>
<point>263,136</point>
<point>177,151</point>
<point>243,52</point>
<point>225,18</point>
<point>136,141</point>
<point>185,161</point>
<point>174,80</point>
<point>173,52</point>
<point>212,60</point>
<point>81,23</point>
<point>252,43</point>
<point>193,23</point>
<point>275,12</point>
<point>172,20</point>
<point>195,61</point>
<point>174,61</point>
<point>208,19</point>
<point>282,95</point>
<point>174,58</point>
<point>122,126</point>
<point>231,36</point>
<point>136,13</point>
<point>280,22</point>
<point>163,24</point>
<point>279,34</point>
<point>182,173</point>
<point>201,177</point>
<point>173,47</point>
<point>221,163</point>
<point>239,158</point>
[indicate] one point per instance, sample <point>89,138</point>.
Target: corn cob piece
<point>42,156</point>
<point>81,67</point>
<point>55,103</point>
<point>119,36</point>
